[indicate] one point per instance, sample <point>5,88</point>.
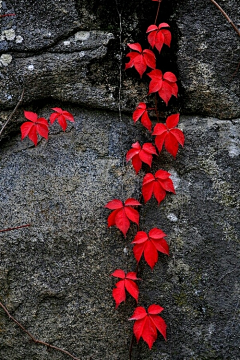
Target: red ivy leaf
<point>34,127</point>
<point>139,154</point>
<point>140,59</point>
<point>164,84</point>
<point>61,116</point>
<point>141,112</point>
<point>122,214</point>
<point>127,283</point>
<point>149,245</point>
<point>157,185</point>
<point>169,136</point>
<point>147,323</point>
<point>158,36</point>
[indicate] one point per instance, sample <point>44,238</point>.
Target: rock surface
<point>54,275</point>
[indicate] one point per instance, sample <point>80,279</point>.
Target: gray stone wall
<point>54,275</point>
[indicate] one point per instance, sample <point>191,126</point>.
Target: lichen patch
<point>5,59</point>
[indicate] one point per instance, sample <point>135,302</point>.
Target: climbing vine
<point>147,322</point>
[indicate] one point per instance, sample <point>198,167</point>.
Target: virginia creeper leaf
<point>169,136</point>
<point>147,323</point>
<point>34,127</point>
<point>149,245</point>
<point>140,59</point>
<point>139,154</point>
<point>164,84</point>
<point>127,283</point>
<point>61,116</point>
<point>157,185</point>
<point>122,214</point>
<point>141,112</point>
<point>157,36</point>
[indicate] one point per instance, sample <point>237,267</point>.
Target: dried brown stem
<point>226,16</point>
<point>36,341</point>
<point>15,228</point>
<point>13,112</point>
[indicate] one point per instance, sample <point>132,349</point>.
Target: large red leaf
<point>157,36</point>
<point>122,214</point>
<point>157,185</point>
<point>140,154</point>
<point>149,245</point>
<point>34,127</point>
<point>147,323</point>
<point>168,135</point>
<point>140,59</point>
<point>164,84</point>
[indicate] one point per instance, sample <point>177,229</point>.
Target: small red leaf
<point>61,116</point>
<point>127,283</point>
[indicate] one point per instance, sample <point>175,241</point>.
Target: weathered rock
<point>55,274</point>
<point>208,56</point>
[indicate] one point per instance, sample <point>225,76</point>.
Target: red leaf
<point>149,245</point>
<point>141,111</point>
<point>61,116</point>
<point>140,59</point>
<point>164,84</point>
<point>139,155</point>
<point>114,204</point>
<point>34,127</point>
<point>169,136</point>
<point>119,273</point>
<point>157,36</point>
<point>122,214</point>
<point>122,222</point>
<point>157,185</point>
<point>127,283</point>
<point>147,323</point>
<point>119,293</point>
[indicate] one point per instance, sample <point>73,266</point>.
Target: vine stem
<point>13,112</point>
<point>15,228</point>
<point>36,341</point>
<point>226,16</point>
<point>159,3</point>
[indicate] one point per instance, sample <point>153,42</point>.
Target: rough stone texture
<point>54,275</point>
<point>208,56</point>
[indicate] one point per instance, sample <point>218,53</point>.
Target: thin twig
<point>15,228</point>
<point>119,11</point>
<point>7,15</point>
<point>36,341</point>
<point>226,16</point>
<point>13,112</point>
